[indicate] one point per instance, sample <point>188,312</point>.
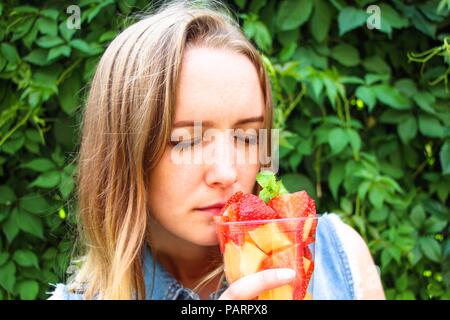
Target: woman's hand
<point>249,287</point>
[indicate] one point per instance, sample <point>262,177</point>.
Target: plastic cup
<point>252,246</point>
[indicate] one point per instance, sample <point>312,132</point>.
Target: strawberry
<point>252,207</point>
<point>297,204</point>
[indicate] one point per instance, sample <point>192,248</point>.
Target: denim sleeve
<point>61,292</point>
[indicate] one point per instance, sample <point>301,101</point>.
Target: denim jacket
<point>333,276</point>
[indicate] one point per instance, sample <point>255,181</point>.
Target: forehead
<point>217,85</point>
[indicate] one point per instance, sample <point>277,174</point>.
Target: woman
<point>145,217</point>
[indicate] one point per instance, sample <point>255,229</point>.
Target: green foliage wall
<point>364,115</point>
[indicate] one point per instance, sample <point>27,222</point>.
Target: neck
<point>187,262</point>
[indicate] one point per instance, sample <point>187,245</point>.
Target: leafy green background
<point>364,115</point>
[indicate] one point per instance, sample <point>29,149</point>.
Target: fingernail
<point>285,274</point>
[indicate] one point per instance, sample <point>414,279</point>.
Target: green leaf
<point>444,157</point>
<point>10,53</point>
<point>49,41</point>
<point>81,46</point>
<point>346,55</point>
<point>70,101</point>
<point>7,195</point>
<point>65,32</point>
<point>376,64</point>
<point>39,165</point>
<point>376,197</point>
<point>321,20</point>
<point>430,248</point>
<point>37,57</point>
<point>28,290</point>
<point>406,86</point>
<point>262,36</point>
<point>295,182</point>
<point>378,215</point>
<point>429,126</point>
<point>418,216</point>
<point>354,139</point>
<point>350,18</point>
<point>4,256</point>
<point>425,101</point>
<point>337,139</point>
<point>402,282</point>
<point>26,258</point>
<point>407,129</point>
<point>48,179</point>
<point>34,203</point>
<point>8,276</point>
<point>293,13</point>
<point>335,178</point>
<point>391,97</point>
<point>270,186</point>
<point>367,95</point>
<point>56,52</point>
<point>10,228</point>
<point>30,224</point>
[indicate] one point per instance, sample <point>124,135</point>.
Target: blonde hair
<point>125,128</point>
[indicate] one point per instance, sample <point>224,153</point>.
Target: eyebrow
<point>190,123</point>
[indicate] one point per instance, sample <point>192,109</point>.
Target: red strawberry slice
<point>252,207</point>
<point>297,204</point>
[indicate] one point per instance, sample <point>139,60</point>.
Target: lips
<point>213,209</point>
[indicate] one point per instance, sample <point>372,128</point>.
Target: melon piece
<point>250,259</point>
<point>242,260</point>
<point>307,226</point>
<point>231,256</point>
<point>281,293</point>
<point>269,237</point>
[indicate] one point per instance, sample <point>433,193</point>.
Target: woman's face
<point>220,89</point>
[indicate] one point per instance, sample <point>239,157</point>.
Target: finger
<point>250,286</point>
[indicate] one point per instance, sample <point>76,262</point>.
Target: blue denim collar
<point>161,285</point>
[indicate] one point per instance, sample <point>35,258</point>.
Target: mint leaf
<point>270,186</point>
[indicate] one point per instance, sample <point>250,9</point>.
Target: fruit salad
<point>273,230</point>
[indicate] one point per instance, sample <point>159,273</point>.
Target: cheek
<point>247,176</point>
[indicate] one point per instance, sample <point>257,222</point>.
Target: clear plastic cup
<point>252,246</point>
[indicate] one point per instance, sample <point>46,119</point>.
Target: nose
<point>222,169</point>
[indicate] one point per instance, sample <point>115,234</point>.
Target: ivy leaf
<point>407,129</point>
<point>34,203</point>
<point>337,139</point>
<point>37,57</point>
<point>367,95</point>
<point>346,55</point>
<point>56,52</point>
<point>295,182</point>
<point>28,290</point>
<point>10,53</point>
<point>378,215</point>
<point>39,165</point>
<point>425,101</point>
<point>48,179</point>
<point>391,97</point>
<point>30,224</point>
<point>444,157</point>
<point>321,20</point>
<point>7,195</point>
<point>335,178</point>
<point>430,248</point>
<point>26,258</point>
<point>429,126</point>
<point>418,216</point>
<point>293,13</point>
<point>49,41</point>
<point>350,18</point>
<point>8,276</point>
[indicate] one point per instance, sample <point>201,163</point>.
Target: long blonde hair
<point>125,129</point>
